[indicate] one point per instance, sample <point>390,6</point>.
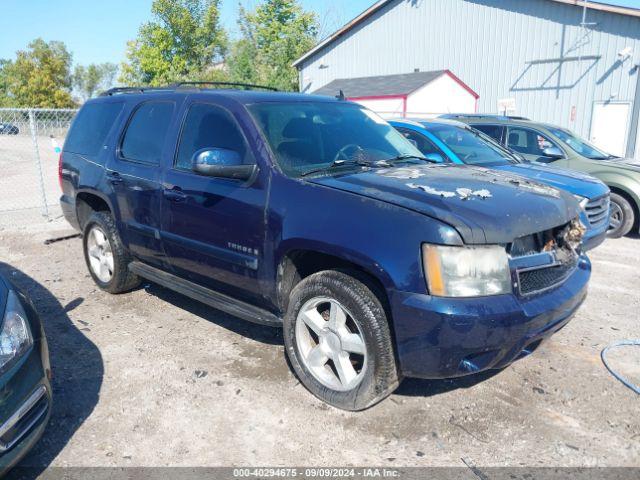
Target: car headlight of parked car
<point>466,271</point>
<point>15,336</point>
<point>583,201</point>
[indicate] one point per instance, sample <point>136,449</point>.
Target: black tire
<point>380,377</point>
<point>622,216</point>
<point>122,280</point>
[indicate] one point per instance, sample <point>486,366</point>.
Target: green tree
<point>274,35</point>
<point>182,42</point>
<point>241,62</point>
<point>89,80</point>
<point>39,76</point>
<point>4,87</point>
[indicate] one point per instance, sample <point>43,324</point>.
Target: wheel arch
<point>88,201</point>
<point>297,264</point>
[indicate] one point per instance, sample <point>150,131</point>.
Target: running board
<point>207,296</point>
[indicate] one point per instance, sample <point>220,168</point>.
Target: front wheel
<point>338,341</point>
<point>622,217</point>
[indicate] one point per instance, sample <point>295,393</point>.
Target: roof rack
<point>246,86</point>
<point>175,86</point>
<point>453,116</point>
<point>119,90</point>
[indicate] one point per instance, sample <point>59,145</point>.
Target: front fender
<point>346,254</point>
<point>626,183</point>
<point>383,239</point>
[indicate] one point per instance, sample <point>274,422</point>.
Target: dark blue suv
<point>315,215</point>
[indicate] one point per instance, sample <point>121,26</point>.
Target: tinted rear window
<point>146,132</point>
<point>91,127</point>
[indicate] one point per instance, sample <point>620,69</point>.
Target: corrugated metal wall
<point>532,50</point>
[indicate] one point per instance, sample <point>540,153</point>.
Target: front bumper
<point>25,405</point>
<point>451,337</point>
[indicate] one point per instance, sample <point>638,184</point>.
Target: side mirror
<point>434,157</point>
<point>220,162</point>
<point>553,152</point>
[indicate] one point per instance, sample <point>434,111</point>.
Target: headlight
<point>15,336</point>
<point>466,271</point>
<point>583,201</point>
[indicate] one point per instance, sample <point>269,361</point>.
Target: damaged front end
<point>545,259</point>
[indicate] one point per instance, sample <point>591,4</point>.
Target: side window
<point>529,142</point>
<point>146,132</point>
<point>494,131</point>
<point>420,141</point>
<point>209,126</point>
<point>91,127</point>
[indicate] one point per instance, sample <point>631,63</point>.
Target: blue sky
<point>97,32</point>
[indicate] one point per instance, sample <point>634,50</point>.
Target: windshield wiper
<point>336,164</point>
<point>406,156</point>
<point>364,163</point>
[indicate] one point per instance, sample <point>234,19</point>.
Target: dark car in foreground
<point>314,215</point>
<point>8,129</point>
<point>560,147</point>
<point>25,391</point>
<point>456,142</point>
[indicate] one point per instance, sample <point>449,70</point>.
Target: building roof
<point>633,12</point>
<point>386,85</point>
<point>381,85</point>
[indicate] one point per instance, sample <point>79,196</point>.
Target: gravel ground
<point>151,378</point>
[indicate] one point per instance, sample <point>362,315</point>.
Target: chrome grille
<point>598,210</point>
<point>24,419</point>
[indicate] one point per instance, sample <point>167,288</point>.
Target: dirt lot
<point>151,378</point>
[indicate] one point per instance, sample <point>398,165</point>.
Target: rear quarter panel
<point>82,173</point>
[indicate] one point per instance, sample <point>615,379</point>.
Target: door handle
<point>114,178</point>
<point>174,195</point>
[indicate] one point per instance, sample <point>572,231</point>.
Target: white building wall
<point>385,107</point>
<point>535,51</point>
<point>443,95</point>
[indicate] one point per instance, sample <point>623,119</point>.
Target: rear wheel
<point>338,341</point>
<point>106,257</point>
<point>622,216</point>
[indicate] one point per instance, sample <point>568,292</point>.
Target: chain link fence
<point>30,143</point>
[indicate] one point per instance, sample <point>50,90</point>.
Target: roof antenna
<point>341,96</point>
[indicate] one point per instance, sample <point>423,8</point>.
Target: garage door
<point>610,126</point>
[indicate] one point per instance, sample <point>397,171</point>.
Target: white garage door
<point>610,126</point>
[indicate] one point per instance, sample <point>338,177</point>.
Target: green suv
<point>557,146</point>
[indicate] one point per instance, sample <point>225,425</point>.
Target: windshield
<point>308,136</point>
<point>579,145</point>
<point>470,146</point>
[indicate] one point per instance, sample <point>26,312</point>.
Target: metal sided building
<point>568,62</point>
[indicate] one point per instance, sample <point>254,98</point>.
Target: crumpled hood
<point>574,182</point>
<point>484,206</point>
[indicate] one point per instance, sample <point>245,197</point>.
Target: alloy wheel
<point>100,254</point>
<point>331,344</point>
<point>616,217</point>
